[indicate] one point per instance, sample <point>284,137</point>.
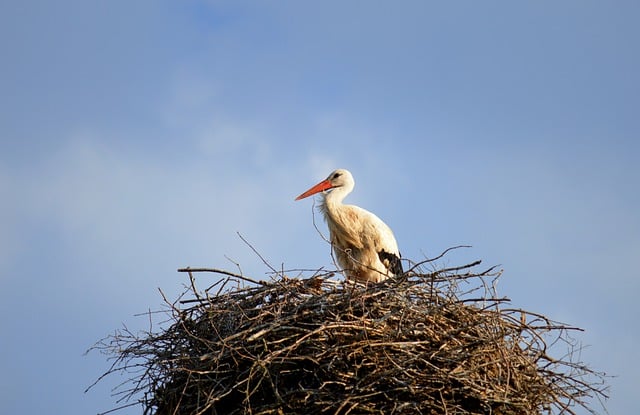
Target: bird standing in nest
<point>364,245</point>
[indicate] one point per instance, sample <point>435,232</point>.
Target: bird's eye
<point>336,175</point>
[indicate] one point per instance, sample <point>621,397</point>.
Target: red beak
<point>320,187</point>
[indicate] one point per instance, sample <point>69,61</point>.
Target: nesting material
<point>438,342</point>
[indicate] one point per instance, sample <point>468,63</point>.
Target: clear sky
<point>139,137</point>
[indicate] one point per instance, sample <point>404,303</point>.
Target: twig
<point>257,253</point>
<point>223,272</point>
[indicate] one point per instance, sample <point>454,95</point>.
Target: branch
<point>222,272</point>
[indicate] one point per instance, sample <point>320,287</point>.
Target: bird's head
<point>339,178</point>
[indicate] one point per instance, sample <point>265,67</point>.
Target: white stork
<point>364,245</point>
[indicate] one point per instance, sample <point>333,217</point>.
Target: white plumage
<point>364,245</point>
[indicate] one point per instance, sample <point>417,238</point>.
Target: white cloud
<point>125,209</point>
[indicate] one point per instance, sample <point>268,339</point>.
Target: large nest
<point>437,342</point>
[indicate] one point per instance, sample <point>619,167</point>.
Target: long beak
<point>320,187</point>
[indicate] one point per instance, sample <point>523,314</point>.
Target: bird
<point>364,246</point>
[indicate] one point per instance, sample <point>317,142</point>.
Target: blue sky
<point>140,137</point>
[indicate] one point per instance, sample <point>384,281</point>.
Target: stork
<point>364,245</point>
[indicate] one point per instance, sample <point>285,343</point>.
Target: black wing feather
<point>391,261</point>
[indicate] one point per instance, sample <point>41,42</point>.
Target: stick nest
<point>439,342</point>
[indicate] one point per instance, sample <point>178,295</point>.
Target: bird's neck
<point>335,197</point>
<point>332,202</point>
